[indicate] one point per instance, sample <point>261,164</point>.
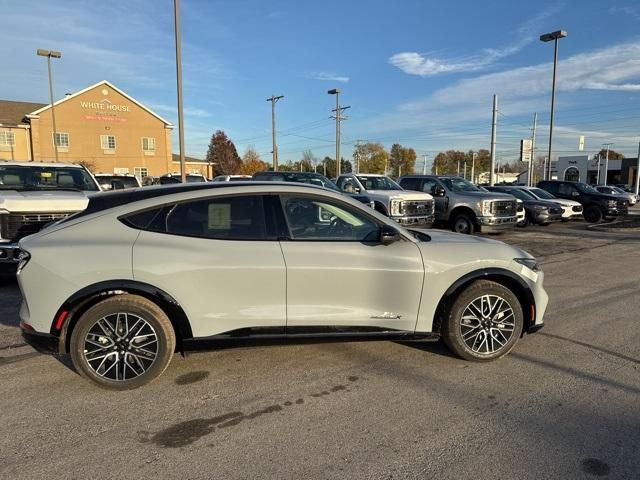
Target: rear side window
<point>410,184</point>
<point>224,218</point>
<point>565,189</point>
<point>141,220</point>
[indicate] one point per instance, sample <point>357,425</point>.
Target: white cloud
<point>329,77</point>
<point>414,63</point>
<point>629,11</point>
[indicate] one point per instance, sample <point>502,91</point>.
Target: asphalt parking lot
<point>563,405</point>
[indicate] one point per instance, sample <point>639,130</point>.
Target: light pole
<point>273,99</point>
<point>49,54</point>
<point>473,167</point>
<point>424,165</point>
<point>338,116</point>
<point>547,37</point>
<point>606,163</point>
<point>176,17</point>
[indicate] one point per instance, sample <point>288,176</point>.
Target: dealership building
<point>101,127</point>
<point>590,169</point>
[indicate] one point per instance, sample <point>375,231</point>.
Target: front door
<point>340,275</point>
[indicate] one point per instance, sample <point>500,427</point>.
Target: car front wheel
<point>592,214</point>
<point>463,223</point>
<point>484,322</point>
<point>122,342</point>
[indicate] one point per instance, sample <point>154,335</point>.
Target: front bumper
<point>42,342</point>
<point>546,217</point>
<point>415,220</point>
<point>496,224</point>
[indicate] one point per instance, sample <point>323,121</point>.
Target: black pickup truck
<point>597,206</point>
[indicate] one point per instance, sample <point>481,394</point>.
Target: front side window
<point>148,144</point>
<point>429,186</point>
<point>108,142</point>
<point>7,139</point>
<point>317,218</point>
<point>223,218</point>
<point>62,140</point>
<point>378,183</point>
<point>565,189</point>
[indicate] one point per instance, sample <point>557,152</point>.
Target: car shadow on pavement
<point>437,348</point>
<point>592,347</point>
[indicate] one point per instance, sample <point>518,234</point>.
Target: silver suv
<point>157,269</point>
<point>463,206</point>
<point>390,199</point>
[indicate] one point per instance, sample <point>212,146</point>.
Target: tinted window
<point>142,219</point>
<point>565,189</point>
<point>410,183</point>
<point>429,186</point>
<point>225,218</point>
<point>317,218</point>
<point>30,178</point>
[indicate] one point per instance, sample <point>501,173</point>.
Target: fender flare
<point>88,296</point>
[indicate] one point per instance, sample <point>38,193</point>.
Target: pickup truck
<point>463,206</point>
<point>390,199</point>
<point>33,194</point>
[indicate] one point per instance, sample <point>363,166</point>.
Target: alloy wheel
<point>120,346</point>
<point>487,324</point>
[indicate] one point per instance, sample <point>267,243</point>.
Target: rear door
<point>219,258</point>
<point>339,275</point>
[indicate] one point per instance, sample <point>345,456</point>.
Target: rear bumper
<point>42,342</point>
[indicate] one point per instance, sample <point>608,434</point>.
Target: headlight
<point>530,263</point>
<point>395,206</point>
<point>486,207</point>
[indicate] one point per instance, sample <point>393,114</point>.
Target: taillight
<point>23,259</point>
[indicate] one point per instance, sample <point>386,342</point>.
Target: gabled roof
<point>13,113</point>
<point>91,87</point>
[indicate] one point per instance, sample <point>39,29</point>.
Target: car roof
<point>41,164</point>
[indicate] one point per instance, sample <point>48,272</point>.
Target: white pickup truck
<point>405,207</point>
<point>33,194</point>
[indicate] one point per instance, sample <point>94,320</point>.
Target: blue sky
<point>419,73</point>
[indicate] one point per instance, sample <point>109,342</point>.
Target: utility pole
<point>274,99</point>
<point>458,174</point>
<point>533,147</point>
<point>606,163</point>
<point>338,117</point>
<point>183,166</point>
<point>598,169</point>
<point>465,170</point>
<point>638,171</point>
<point>473,167</point>
<point>424,165</point>
<point>493,140</point>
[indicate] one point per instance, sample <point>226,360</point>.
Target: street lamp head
<point>55,54</point>
<point>548,37</point>
<point>43,53</point>
<point>334,91</point>
<point>48,53</point>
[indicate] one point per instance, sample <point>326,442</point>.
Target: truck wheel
<point>122,342</point>
<point>484,322</point>
<point>592,214</point>
<point>463,223</point>
<point>524,223</point>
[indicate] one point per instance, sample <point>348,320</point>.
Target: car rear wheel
<point>484,322</point>
<point>463,223</point>
<point>122,342</point>
<point>592,214</point>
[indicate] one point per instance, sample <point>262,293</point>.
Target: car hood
<point>486,195</point>
<point>403,194</point>
<point>564,203</point>
<point>42,201</point>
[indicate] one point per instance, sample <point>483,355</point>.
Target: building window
<point>62,140</point>
<point>140,172</point>
<point>108,142</point>
<point>7,139</point>
<point>149,145</point>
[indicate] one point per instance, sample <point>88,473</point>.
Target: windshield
<point>35,178</point>
<point>584,188</point>
<point>127,182</point>
<point>195,178</point>
<point>378,183</point>
<point>458,184</point>
<point>538,192</point>
<point>618,190</point>
<point>518,193</point>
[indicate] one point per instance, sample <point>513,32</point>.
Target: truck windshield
<point>538,192</point>
<point>458,184</point>
<point>378,183</point>
<point>127,182</point>
<point>35,178</point>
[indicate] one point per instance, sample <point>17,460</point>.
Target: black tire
<point>592,214</point>
<point>132,307</point>
<point>457,331</point>
<point>463,223</point>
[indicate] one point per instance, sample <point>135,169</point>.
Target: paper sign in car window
<point>46,174</point>
<point>219,216</point>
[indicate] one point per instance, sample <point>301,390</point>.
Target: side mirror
<point>438,191</point>
<point>388,235</point>
<point>117,185</point>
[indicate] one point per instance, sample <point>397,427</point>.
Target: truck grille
<point>503,208</point>
<point>14,226</point>
<point>577,208</point>
<point>416,207</point>
<point>623,207</point>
